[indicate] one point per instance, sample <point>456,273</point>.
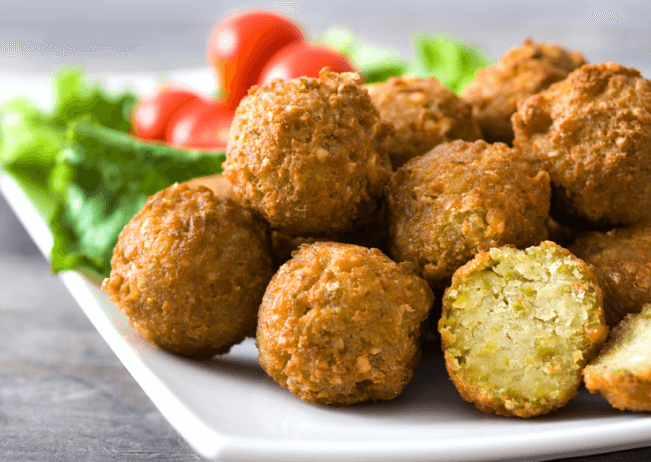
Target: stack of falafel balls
<point>344,207</point>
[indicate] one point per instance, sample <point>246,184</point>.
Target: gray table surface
<point>63,393</point>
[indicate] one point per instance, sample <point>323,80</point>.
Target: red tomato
<point>201,124</point>
<point>151,113</point>
<point>303,60</point>
<point>240,46</point>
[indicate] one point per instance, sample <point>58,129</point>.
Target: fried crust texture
<point>424,114</point>
<point>309,154</point>
<point>342,324</point>
<point>592,133</point>
<point>621,259</point>
<point>189,271</point>
<point>462,198</point>
<point>521,72</point>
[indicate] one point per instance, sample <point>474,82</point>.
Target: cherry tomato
<point>151,113</point>
<point>240,46</point>
<point>201,124</point>
<point>303,60</point>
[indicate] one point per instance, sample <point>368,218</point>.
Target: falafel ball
<point>309,154</point>
<point>521,72</point>
<point>341,324</point>
<point>518,327</point>
<point>461,198</point>
<point>622,371</point>
<point>189,271</point>
<point>424,114</point>
<point>592,133</point>
<point>621,259</point>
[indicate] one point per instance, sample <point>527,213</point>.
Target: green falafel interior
<point>519,326</point>
<point>622,370</point>
<point>629,350</point>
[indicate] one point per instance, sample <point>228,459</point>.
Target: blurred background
<point>63,394</point>
<point>148,36</point>
<point>153,35</point>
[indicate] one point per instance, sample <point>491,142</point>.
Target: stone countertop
<point>63,393</point>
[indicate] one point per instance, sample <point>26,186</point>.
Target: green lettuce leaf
<point>31,138</point>
<point>454,62</point>
<point>375,63</point>
<point>76,95</point>
<point>28,141</point>
<point>107,176</point>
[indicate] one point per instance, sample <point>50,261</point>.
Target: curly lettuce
<point>109,175</point>
<point>454,62</point>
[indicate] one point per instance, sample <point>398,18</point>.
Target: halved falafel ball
<point>189,271</point>
<point>424,114</point>
<point>622,371</point>
<point>462,198</point>
<point>518,326</point>
<point>342,324</point>
<point>621,259</point>
<point>592,133</point>
<point>309,154</point>
<point>521,72</point>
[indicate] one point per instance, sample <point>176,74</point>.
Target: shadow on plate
<point>431,395</point>
<point>237,367</point>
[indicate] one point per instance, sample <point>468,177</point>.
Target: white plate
<point>228,409</point>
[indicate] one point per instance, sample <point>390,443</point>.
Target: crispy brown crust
<point>424,113</point>
<point>189,271</point>
<point>462,198</point>
<point>308,154</point>
<point>625,391</point>
<point>621,259</point>
<point>486,400</point>
<point>592,133</point>
<point>341,324</point>
<point>623,388</point>
<point>522,71</point>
